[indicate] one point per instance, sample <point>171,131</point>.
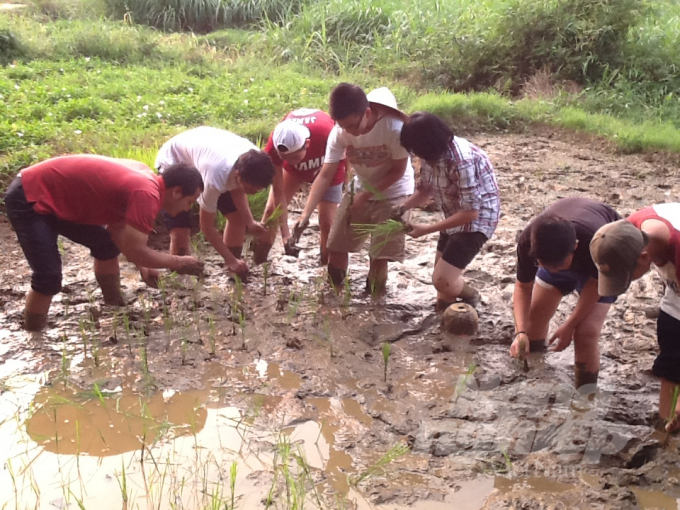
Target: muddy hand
<point>397,213</point>
<point>290,248</point>
<point>298,229</point>
<point>190,265</point>
<point>150,276</point>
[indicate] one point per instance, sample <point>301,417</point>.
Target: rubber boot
<point>336,276</point>
<point>469,295</point>
<point>34,321</point>
<point>376,287</point>
<point>583,377</point>
<point>260,252</point>
<point>110,285</point>
<point>537,345</point>
<point>441,305</point>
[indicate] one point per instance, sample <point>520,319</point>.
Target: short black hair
<point>255,167</point>
<point>426,135</point>
<point>184,176</point>
<point>347,99</point>
<point>552,239</point>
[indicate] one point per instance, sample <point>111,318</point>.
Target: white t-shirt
<point>371,155</point>
<point>212,152</point>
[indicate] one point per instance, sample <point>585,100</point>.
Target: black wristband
<point>519,333</point>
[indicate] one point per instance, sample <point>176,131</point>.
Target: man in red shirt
<point>625,250</point>
<point>297,147</point>
<point>108,205</point>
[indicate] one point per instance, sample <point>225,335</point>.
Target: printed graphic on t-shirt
<point>369,157</point>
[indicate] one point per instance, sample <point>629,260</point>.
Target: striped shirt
<point>464,179</point>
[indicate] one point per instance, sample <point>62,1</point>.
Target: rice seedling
<point>258,202</point>
<point>386,351</point>
<point>386,229</point>
<point>65,363</point>
<point>184,346</point>
<point>242,326</point>
<point>67,303</point>
<point>392,454</point>
<point>122,484</point>
<point>294,300</point>
<point>346,296</point>
<point>78,501</point>
<point>232,483</point>
<point>128,330</point>
<point>212,334</point>
<point>273,219</point>
<point>265,277</point>
<point>463,381</point>
<point>672,417</point>
<point>83,336</point>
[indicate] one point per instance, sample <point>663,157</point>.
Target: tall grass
<point>202,16</point>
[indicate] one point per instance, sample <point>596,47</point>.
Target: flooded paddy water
<point>207,395</point>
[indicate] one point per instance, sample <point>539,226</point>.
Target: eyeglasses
<point>355,126</point>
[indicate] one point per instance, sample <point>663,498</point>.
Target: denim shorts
<point>333,194</point>
<point>567,282</point>
<point>38,233</point>
<point>185,219</point>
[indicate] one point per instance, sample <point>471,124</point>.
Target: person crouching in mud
<point>553,260</point>
<point>461,178</point>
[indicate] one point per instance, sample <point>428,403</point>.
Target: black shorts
<point>667,363</point>
<point>460,248</point>
<point>38,234</point>
<point>225,204</point>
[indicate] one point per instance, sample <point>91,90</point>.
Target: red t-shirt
<point>668,214</point>
<point>320,125</point>
<point>95,190</point>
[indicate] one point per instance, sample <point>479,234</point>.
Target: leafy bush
<point>10,48</point>
<point>573,39</point>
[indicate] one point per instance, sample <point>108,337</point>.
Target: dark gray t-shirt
<point>587,216</point>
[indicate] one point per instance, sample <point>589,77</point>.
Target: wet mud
<point>150,405</point>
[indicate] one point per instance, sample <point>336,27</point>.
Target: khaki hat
<point>384,97</point>
<point>290,136</point>
<point>616,248</point>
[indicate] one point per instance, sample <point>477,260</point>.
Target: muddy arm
<point>212,235</point>
<point>132,243</point>
<point>319,188</point>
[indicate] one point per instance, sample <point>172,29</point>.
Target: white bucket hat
<point>385,98</point>
<point>290,136</point>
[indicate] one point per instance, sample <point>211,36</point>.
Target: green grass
<point>82,76</point>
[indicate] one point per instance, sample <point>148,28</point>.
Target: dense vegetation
<point>118,77</point>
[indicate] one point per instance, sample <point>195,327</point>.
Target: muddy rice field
<point>214,395</point>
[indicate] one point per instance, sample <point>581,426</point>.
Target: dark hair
<point>552,239</point>
<point>256,168</point>
<point>347,99</point>
<point>426,135</point>
<point>184,176</point>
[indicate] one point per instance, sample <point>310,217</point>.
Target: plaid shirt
<point>464,179</point>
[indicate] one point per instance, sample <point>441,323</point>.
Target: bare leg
<point>586,346</point>
<point>107,273</point>
<point>235,233</point>
<point>326,215</point>
<point>377,276</point>
<point>544,303</point>
<point>337,267</point>
<point>179,241</point>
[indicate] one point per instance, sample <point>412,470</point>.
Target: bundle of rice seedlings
<point>273,219</point>
<point>382,231</point>
<point>387,228</point>
<point>258,202</point>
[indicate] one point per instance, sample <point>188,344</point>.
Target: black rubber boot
<point>469,295</point>
<point>34,321</point>
<point>336,276</point>
<point>537,345</point>
<point>583,377</point>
